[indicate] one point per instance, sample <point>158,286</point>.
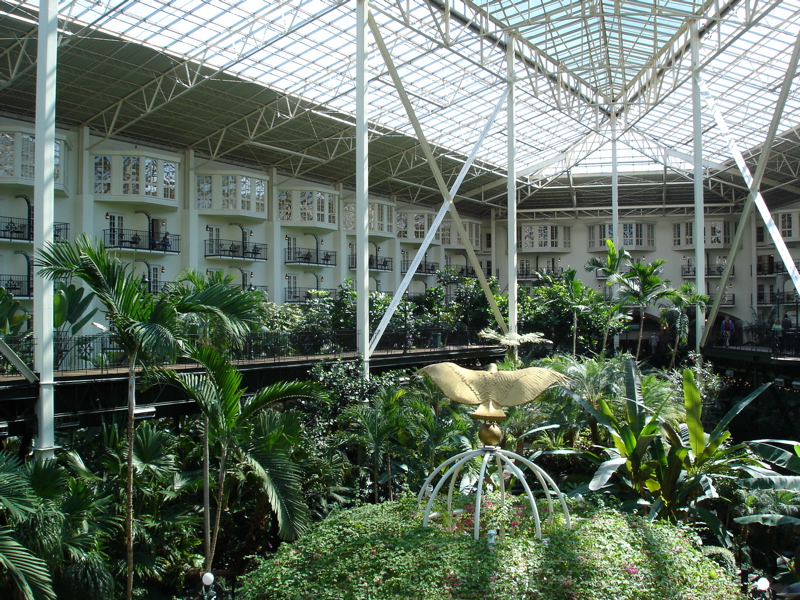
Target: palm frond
<point>29,573</point>
<point>15,490</point>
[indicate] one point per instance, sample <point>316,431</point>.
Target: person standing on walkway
<point>727,329</point>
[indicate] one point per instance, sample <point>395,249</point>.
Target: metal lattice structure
<point>272,84</point>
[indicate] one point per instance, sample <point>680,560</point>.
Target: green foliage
<point>71,308</point>
<point>722,556</point>
<point>566,312</point>
<point>12,317</point>
<point>381,553</point>
<point>345,383</point>
<point>665,468</point>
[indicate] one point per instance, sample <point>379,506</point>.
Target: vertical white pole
<point>699,215</point>
<point>511,188</point>
<point>192,228</point>
<point>44,190</point>
<point>616,235</point>
<point>362,186</point>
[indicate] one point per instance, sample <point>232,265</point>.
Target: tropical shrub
<point>382,552</point>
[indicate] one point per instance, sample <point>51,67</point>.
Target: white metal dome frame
<point>503,458</point>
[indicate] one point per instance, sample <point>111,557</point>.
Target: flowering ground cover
<point>380,552</point>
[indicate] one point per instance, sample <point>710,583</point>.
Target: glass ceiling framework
<point>576,62</point>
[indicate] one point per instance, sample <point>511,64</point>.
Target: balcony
<point>137,239</point>
<point>712,272</point>
<point>465,271</point>
<point>302,295</point>
<point>766,269</point>
<point>781,268</point>
<point>535,273</point>
<point>235,249</point>
<point>778,298</point>
<point>728,300</point>
<point>424,268</point>
<point>18,285</point>
<point>600,274</point>
<point>309,256</point>
<point>14,228</point>
<point>376,263</point>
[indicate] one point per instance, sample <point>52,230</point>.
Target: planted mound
<point>382,553</point>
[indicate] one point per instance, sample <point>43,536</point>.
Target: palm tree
<point>643,286</point>
<point>578,297</point>
<point>683,297</point>
<point>374,427</point>
<point>29,573</point>
<point>229,417</point>
<point>146,327</point>
<point>434,427</point>
<point>512,341</point>
<point>613,266</point>
<point>592,379</point>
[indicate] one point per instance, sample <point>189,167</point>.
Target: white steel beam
<point>447,195</point>
<point>753,184</point>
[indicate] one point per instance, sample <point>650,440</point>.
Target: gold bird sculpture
<point>491,389</point>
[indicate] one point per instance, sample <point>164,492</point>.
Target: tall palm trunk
<point>206,496</point>
<point>641,333</point>
<point>223,466</point>
<point>674,351</point>
<point>574,333</point>
<point>129,476</point>
<point>389,475</point>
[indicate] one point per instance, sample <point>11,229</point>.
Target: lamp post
<point>28,271</point>
<point>150,233</point>
<point>317,243</point>
<point>244,237</point>
<point>244,276</point>
<point>317,277</point>
<point>146,278</point>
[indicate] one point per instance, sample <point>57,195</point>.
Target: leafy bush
<point>381,552</point>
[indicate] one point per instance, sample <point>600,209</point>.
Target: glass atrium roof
<point>273,84</point>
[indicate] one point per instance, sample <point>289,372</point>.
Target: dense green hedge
<point>381,553</point>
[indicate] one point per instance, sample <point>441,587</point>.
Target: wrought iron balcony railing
<point>14,228</point>
<point>376,262</point>
<point>18,285</point>
<point>309,256</point>
<point>424,268</point>
<point>235,249</point>
<point>302,295</point>
<point>137,239</point>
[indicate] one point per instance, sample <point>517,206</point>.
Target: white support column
<point>616,234</point>
<point>44,190</point>
<point>511,187</point>
<point>699,208</point>
<point>493,230</point>
<point>85,198</point>
<point>275,272</point>
<point>362,186</point>
<point>193,231</point>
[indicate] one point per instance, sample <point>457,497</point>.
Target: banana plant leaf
<point>777,456</point>
<point>791,484</point>
<point>768,520</point>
